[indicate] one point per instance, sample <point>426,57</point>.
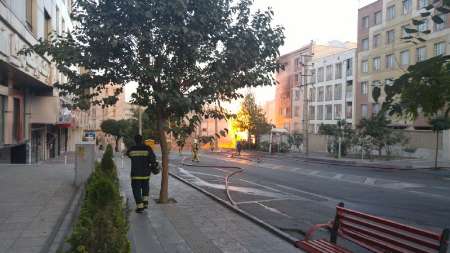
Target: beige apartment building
<point>383,56</point>
<point>35,123</point>
<point>289,96</point>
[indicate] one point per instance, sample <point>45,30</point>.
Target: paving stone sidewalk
<point>195,223</point>
<point>33,199</point>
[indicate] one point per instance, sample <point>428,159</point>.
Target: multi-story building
<point>289,97</point>
<point>35,122</point>
<point>383,55</point>
<point>331,89</point>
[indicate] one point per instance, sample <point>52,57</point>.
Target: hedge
<point>102,224</point>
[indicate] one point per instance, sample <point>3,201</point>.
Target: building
<point>289,96</point>
<point>35,123</point>
<point>331,89</point>
<point>269,110</point>
<point>383,56</point>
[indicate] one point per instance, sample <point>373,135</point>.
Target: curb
<point>275,231</point>
<point>57,237</point>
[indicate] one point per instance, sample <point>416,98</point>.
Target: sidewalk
<point>401,164</point>
<point>195,223</point>
<point>34,199</point>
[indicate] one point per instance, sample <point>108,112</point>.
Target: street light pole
<point>306,99</point>
<point>140,120</point>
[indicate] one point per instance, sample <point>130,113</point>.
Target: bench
<point>374,234</point>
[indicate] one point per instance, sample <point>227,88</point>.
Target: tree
<point>116,128</point>
<point>251,118</point>
<point>149,128</point>
<point>342,134</point>
<point>377,130</point>
<point>423,90</point>
<point>296,139</point>
<point>183,54</point>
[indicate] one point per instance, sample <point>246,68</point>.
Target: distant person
<point>195,149</point>
<point>238,147</point>
<point>143,161</point>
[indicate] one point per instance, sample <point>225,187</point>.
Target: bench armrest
<point>314,228</point>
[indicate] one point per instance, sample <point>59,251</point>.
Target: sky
<point>306,20</point>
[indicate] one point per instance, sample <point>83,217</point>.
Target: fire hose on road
<point>227,178</point>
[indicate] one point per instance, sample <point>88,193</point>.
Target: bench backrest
<point>381,235</point>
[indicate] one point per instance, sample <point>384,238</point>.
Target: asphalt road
<point>293,195</point>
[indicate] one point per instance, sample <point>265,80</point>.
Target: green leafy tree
<point>117,128</point>
<point>183,55</point>
<point>375,134</point>
<point>341,133</point>
<point>296,139</point>
<point>251,118</point>
<point>149,128</point>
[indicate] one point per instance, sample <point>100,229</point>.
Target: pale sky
<point>306,20</point>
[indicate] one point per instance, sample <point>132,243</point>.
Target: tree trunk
<point>117,144</point>
<point>164,192</point>
<point>437,151</point>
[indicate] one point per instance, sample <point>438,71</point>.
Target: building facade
<point>331,89</point>
<point>290,103</point>
<point>383,55</point>
<point>34,122</point>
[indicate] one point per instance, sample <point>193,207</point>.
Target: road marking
<point>370,181</point>
<point>205,174</point>
<point>305,192</point>
<point>338,176</point>
<point>264,186</point>
<point>295,169</point>
<point>314,172</point>
<point>262,201</point>
<point>274,210</point>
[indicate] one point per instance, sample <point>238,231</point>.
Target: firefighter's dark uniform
<point>142,158</point>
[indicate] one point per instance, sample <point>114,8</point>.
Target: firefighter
<point>195,148</point>
<point>143,161</point>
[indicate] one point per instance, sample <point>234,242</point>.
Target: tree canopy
<point>251,117</point>
<point>116,128</point>
<point>183,54</point>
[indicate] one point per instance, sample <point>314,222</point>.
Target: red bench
<point>374,234</point>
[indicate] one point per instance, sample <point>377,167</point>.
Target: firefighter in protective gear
<point>195,148</point>
<point>142,161</point>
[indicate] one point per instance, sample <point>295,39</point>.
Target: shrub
<point>102,225</point>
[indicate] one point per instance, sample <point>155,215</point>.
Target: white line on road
<point>370,181</point>
<point>274,210</point>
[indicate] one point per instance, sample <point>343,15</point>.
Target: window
<point>3,100</point>
<point>376,40</point>
<point>364,111</point>
<point>390,36</point>
<point>63,25</point>
<point>337,112</point>
<point>441,26</point>
<point>338,71</point>
<point>349,67</point>
<point>312,78</point>
<point>403,30</point>
<point>312,113</point>
<point>320,75</point>
<point>422,4</point>
<point>376,64</point>
<point>407,7</point>
<point>421,54</point>
<point>404,57</point>
<point>375,108</point>
<point>328,112</point>
<point>365,44</point>
<point>296,78</point>
<point>378,17</point>
<point>390,12</point>
<point>297,111</point>
<point>329,93</point>
<point>297,95</point>
<point>17,128</point>
<point>338,92</point>
<point>365,66</point>
<point>364,88</point>
<point>30,6</point>
<point>349,110</point>
<point>319,112</point>
<point>58,30</point>
<point>349,90</point>
<point>329,72</point>
<point>423,26</point>
<point>390,61</point>
<point>365,22</point>
<point>439,49</point>
<point>320,94</point>
<point>47,26</point>
<point>312,94</point>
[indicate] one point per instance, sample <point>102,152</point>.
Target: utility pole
<point>305,96</point>
<point>140,119</point>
